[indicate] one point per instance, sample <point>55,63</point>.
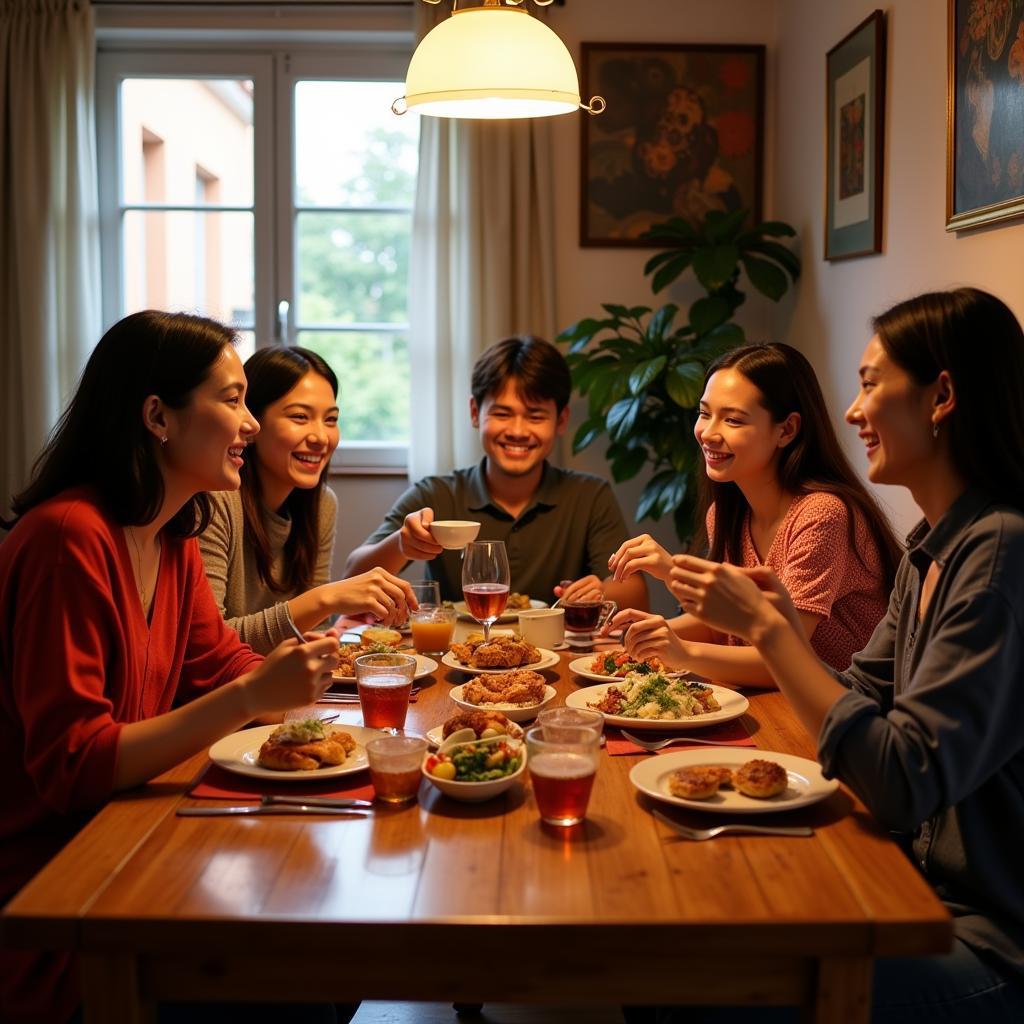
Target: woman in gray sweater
<point>268,547</point>
<point>925,725</point>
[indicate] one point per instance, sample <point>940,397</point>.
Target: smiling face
<point>299,435</point>
<point>517,433</point>
<point>206,439</point>
<point>893,416</point>
<point>736,433</point>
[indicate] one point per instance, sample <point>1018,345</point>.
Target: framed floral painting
<point>855,140</point>
<point>985,110</point>
<point>683,133</point>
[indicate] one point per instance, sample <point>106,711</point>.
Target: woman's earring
<point>163,440</point>
<point>935,429</point>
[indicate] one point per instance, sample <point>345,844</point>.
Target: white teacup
<point>543,627</point>
<point>454,534</point>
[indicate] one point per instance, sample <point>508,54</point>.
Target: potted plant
<point>642,370</point>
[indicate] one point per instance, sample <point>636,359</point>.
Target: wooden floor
<point>493,1013</point>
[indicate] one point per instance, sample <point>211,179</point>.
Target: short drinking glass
<point>562,770</point>
<point>395,763</point>
<point>384,685</point>
<point>432,629</point>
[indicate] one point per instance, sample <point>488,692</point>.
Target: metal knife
<point>318,801</point>
<point>215,812</point>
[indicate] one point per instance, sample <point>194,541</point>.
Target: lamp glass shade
<point>473,65</point>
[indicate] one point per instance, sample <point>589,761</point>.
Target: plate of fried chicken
<point>502,653</point>
<point>519,694</point>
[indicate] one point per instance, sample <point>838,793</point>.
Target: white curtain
<point>50,313</point>
<point>482,267</point>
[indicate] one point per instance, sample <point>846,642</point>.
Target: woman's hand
<point>376,593</point>
<point>728,598</point>
<point>415,540</point>
<point>640,554</point>
<point>649,636</point>
<point>588,588</point>
<point>292,675</point>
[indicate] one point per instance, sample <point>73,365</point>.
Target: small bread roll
<point>698,783</point>
<point>761,779</point>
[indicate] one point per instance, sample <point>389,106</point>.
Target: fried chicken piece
<point>505,652</point>
<point>479,721</point>
<point>284,756</point>
<point>520,687</point>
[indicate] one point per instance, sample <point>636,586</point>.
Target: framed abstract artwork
<point>855,141</point>
<point>683,134</point>
<point>985,112</point>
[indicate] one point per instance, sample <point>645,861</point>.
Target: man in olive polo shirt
<point>557,524</point>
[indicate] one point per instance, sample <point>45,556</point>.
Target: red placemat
<point>218,783</point>
<point>729,734</point>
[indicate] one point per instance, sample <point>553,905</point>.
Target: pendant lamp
<point>490,62</point>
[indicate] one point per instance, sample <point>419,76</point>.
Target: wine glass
<point>485,581</point>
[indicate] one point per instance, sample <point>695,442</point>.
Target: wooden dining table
<point>441,900</point>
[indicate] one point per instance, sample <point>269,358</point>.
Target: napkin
<point>729,734</point>
<point>219,784</point>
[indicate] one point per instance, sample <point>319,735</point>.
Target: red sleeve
<point>214,654</point>
<point>816,555</point>
<point>66,625</point>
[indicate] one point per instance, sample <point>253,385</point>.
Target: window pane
<point>373,370</point>
<point>350,150</point>
<point>187,139</point>
<point>246,344</point>
<point>352,267</point>
<point>198,262</point>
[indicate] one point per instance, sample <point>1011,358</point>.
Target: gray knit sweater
<point>258,614</point>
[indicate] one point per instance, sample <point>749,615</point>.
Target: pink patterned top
<point>811,554</point>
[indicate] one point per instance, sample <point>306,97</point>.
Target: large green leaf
<point>707,313</point>
<point>766,277</point>
<point>715,265</point>
<point>684,383</point>
<point>586,433</point>
<point>622,312</point>
<point>646,372</point>
<point>647,504</point>
<point>621,418</point>
<point>788,260</point>
<point>672,494</point>
<point>778,228</point>
<point>661,321</point>
<point>585,328</point>
<point>674,227</point>
<point>584,374</point>
<point>656,261</point>
<point>671,270</point>
<point>721,227</point>
<point>628,464</point>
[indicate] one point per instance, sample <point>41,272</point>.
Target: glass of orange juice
<point>432,629</point>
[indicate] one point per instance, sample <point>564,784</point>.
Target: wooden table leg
<point>842,992</point>
<point>110,990</point>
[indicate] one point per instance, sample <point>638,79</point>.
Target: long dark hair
<point>271,373</point>
<point>978,341</point>
<point>101,439</point>
<point>812,461</point>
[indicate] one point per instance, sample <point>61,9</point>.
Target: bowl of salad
<point>476,770</point>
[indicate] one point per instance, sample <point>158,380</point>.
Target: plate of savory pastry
<point>298,751</point>
<point>502,653</point>
<point>656,701</point>
<point>730,780</point>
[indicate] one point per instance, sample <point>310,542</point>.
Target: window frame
<point>274,71</point>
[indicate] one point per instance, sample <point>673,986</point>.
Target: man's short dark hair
<point>538,369</point>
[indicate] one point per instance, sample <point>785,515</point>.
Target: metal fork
<point>661,744</point>
<point>710,833</point>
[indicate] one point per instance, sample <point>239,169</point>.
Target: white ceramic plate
<point>580,667</point>
<point>509,615</point>
<point>547,659</point>
<point>513,713</point>
<point>424,666</point>
<point>239,752</point>
<point>733,705</point>
<point>435,736</point>
<point>806,786</point>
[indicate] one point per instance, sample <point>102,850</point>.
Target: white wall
<point>834,301</point>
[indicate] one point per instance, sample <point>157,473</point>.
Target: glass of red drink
<point>485,581</point>
<point>584,618</point>
<point>384,685</point>
<point>562,765</point>
<point>395,763</point>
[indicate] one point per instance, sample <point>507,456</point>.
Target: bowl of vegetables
<point>478,769</point>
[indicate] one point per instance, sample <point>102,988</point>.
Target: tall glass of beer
<point>562,765</point>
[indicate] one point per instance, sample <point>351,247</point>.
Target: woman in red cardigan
<point>115,663</point>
